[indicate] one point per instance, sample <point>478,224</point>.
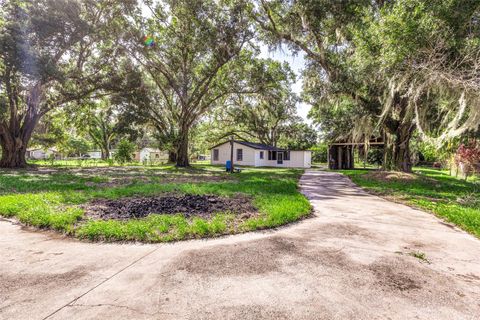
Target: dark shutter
<point>286,155</point>
<point>215,154</point>
<point>261,154</point>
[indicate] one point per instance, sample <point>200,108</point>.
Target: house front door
<point>280,158</point>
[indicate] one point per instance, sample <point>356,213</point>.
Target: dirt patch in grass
<point>391,175</point>
<point>396,176</point>
<point>471,200</point>
<point>189,205</point>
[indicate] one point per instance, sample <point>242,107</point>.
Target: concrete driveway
<point>351,261</point>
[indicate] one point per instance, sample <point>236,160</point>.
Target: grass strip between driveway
<point>54,205</point>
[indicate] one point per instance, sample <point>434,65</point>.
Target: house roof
<point>253,145</point>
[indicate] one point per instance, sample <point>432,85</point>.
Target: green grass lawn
<point>75,163</point>
<point>51,199</point>
<point>456,200</point>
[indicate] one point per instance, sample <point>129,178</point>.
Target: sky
<point>297,63</point>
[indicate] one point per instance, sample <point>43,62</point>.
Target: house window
<point>286,155</point>
<point>261,154</point>
<point>272,155</point>
<point>157,155</point>
<point>239,154</point>
<point>215,154</point>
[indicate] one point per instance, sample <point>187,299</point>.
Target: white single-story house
<point>150,154</point>
<point>260,155</point>
<point>95,154</point>
<point>42,154</point>
<point>203,157</point>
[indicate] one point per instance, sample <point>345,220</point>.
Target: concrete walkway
<point>351,261</point>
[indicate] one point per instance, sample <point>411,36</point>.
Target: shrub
<point>125,150</point>
<point>319,153</point>
<point>467,158</point>
<point>375,156</point>
<point>51,159</point>
<point>426,152</point>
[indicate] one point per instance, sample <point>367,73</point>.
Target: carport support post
<point>365,155</point>
<point>349,160</point>
<point>328,157</point>
<point>231,154</point>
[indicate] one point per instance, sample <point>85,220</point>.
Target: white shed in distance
<point>260,155</point>
<point>151,154</point>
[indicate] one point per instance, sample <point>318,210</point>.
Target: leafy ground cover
<point>456,200</point>
<point>54,198</point>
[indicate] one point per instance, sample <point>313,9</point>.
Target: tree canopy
<point>384,67</point>
<point>192,61</point>
<point>169,70</point>
<point>52,53</point>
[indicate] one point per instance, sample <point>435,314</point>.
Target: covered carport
<point>341,155</point>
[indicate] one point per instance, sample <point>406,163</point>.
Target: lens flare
<point>149,41</point>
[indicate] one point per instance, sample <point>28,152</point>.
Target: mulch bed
<point>189,205</point>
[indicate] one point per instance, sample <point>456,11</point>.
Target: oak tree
<point>52,52</point>
<point>189,55</point>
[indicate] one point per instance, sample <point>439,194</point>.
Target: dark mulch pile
<point>204,206</point>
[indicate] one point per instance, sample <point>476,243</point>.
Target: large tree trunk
<point>14,141</point>
<point>182,148</point>
<point>397,149</point>
<point>16,133</point>
<point>172,156</point>
<point>13,153</point>
<point>14,144</point>
<point>105,146</point>
<point>105,153</point>
<point>399,127</point>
